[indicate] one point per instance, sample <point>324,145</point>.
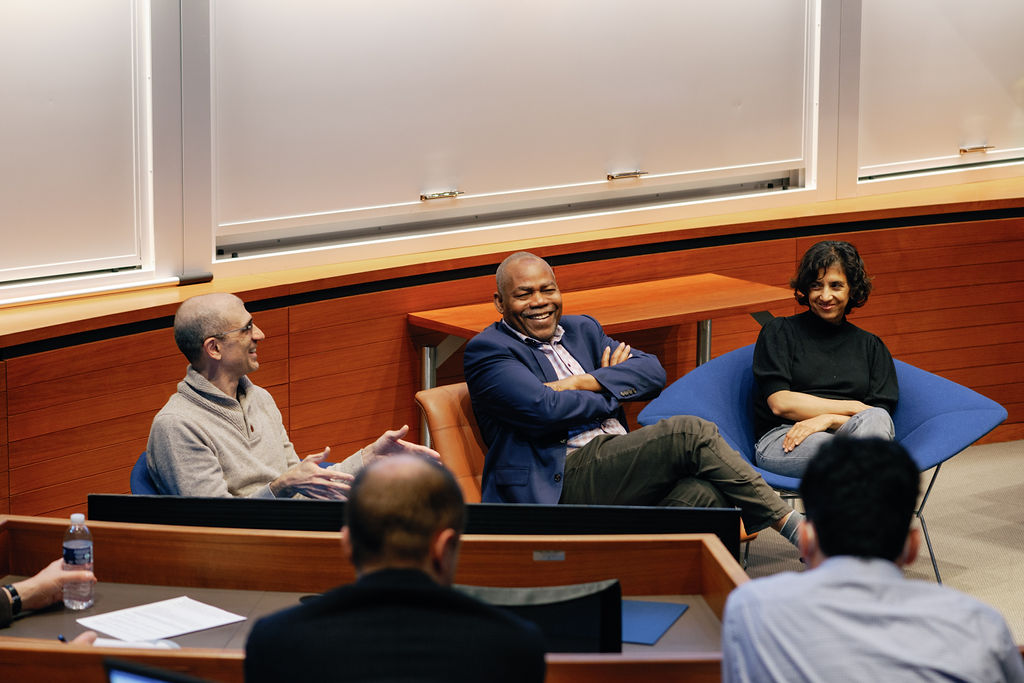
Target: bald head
<point>504,275</point>
<point>202,317</point>
<point>397,507</point>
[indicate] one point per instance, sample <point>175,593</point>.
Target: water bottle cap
<point>78,518</point>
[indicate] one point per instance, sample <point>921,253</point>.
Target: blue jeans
<point>770,455</point>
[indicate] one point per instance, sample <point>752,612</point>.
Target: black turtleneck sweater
<point>806,354</point>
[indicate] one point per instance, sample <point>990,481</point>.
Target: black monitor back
<point>583,617</point>
<point>481,518</point>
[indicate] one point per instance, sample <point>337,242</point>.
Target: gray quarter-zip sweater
<point>205,443</point>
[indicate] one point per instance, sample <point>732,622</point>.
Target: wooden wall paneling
<point>5,498</point>
<point>892,241</point>
<point>369,390</point>
<point>273,353</point>
<point>362,308</point>
<point>75,466</point>
<point>346,435</point>
<point>68,510</point>
<point>1005,432</point>
<point>326,387</point>
<point>349,335</point>
<point>88,411</point>
<point>5,492</point>
<point>927,341</point>
<point>109,447</point>
<point>1015,414</point>
<point>387,399</point>
<point>281,395</point>
<point>98,384</point>
<point>44,366</point>
<point>752,261</point>
<point>451,372</point>
<point>1008,394</point>
<point>976,318</point>
<point>70,494</point>
<point>905,281</point>
<point>382,354</point>
<point>121,430</point>
<point>947,299</point>
<point>945,360</point>
<point>935,239</point>
<point>271,373</point>
<point>346,425</point>
<point>987,376</point>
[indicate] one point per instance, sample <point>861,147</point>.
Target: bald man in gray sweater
<point>221,435</point>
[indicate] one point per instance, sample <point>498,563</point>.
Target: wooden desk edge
<point>427,321</point>
<point>10,522</point>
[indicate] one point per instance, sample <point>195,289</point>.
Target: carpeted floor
<point>975,516</point>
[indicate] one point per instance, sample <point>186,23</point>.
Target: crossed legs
<point>681,461</point>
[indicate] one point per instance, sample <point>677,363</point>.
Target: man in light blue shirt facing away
<point>852,616</point>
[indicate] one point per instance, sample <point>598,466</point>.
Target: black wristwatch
<point>15,599</point>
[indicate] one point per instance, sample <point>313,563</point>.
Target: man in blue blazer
<point>547,392</point>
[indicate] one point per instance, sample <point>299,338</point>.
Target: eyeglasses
<point>243,329</point>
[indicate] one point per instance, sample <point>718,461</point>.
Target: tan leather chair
<point>457,438</point>
<point>455,435</point>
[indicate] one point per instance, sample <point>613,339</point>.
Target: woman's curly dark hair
<point>818,259</point>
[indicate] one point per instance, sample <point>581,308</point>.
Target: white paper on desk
<point>164,619</point>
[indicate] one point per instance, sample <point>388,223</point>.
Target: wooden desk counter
<point>277,566</point>
<point>311,561</point>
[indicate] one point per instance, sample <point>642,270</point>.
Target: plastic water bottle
<point>78,555</point>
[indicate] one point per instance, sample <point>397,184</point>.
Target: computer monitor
<point>124,671</point>
<point>584,617</point>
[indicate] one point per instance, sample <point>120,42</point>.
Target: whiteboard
<point>938,75</point>
<point>334,111</point>
<point>69,132</point>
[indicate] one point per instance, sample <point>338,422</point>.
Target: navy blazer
<point>526,424</point>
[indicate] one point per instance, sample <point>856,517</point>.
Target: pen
<point>61,638</point>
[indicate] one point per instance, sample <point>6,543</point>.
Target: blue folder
<point>643,622</point>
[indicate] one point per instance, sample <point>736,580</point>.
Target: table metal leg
<point>428,381</point>
<point>703,341</point>
<point>433,358</point>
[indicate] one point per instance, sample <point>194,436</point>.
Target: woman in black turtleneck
<point>817,373</point>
